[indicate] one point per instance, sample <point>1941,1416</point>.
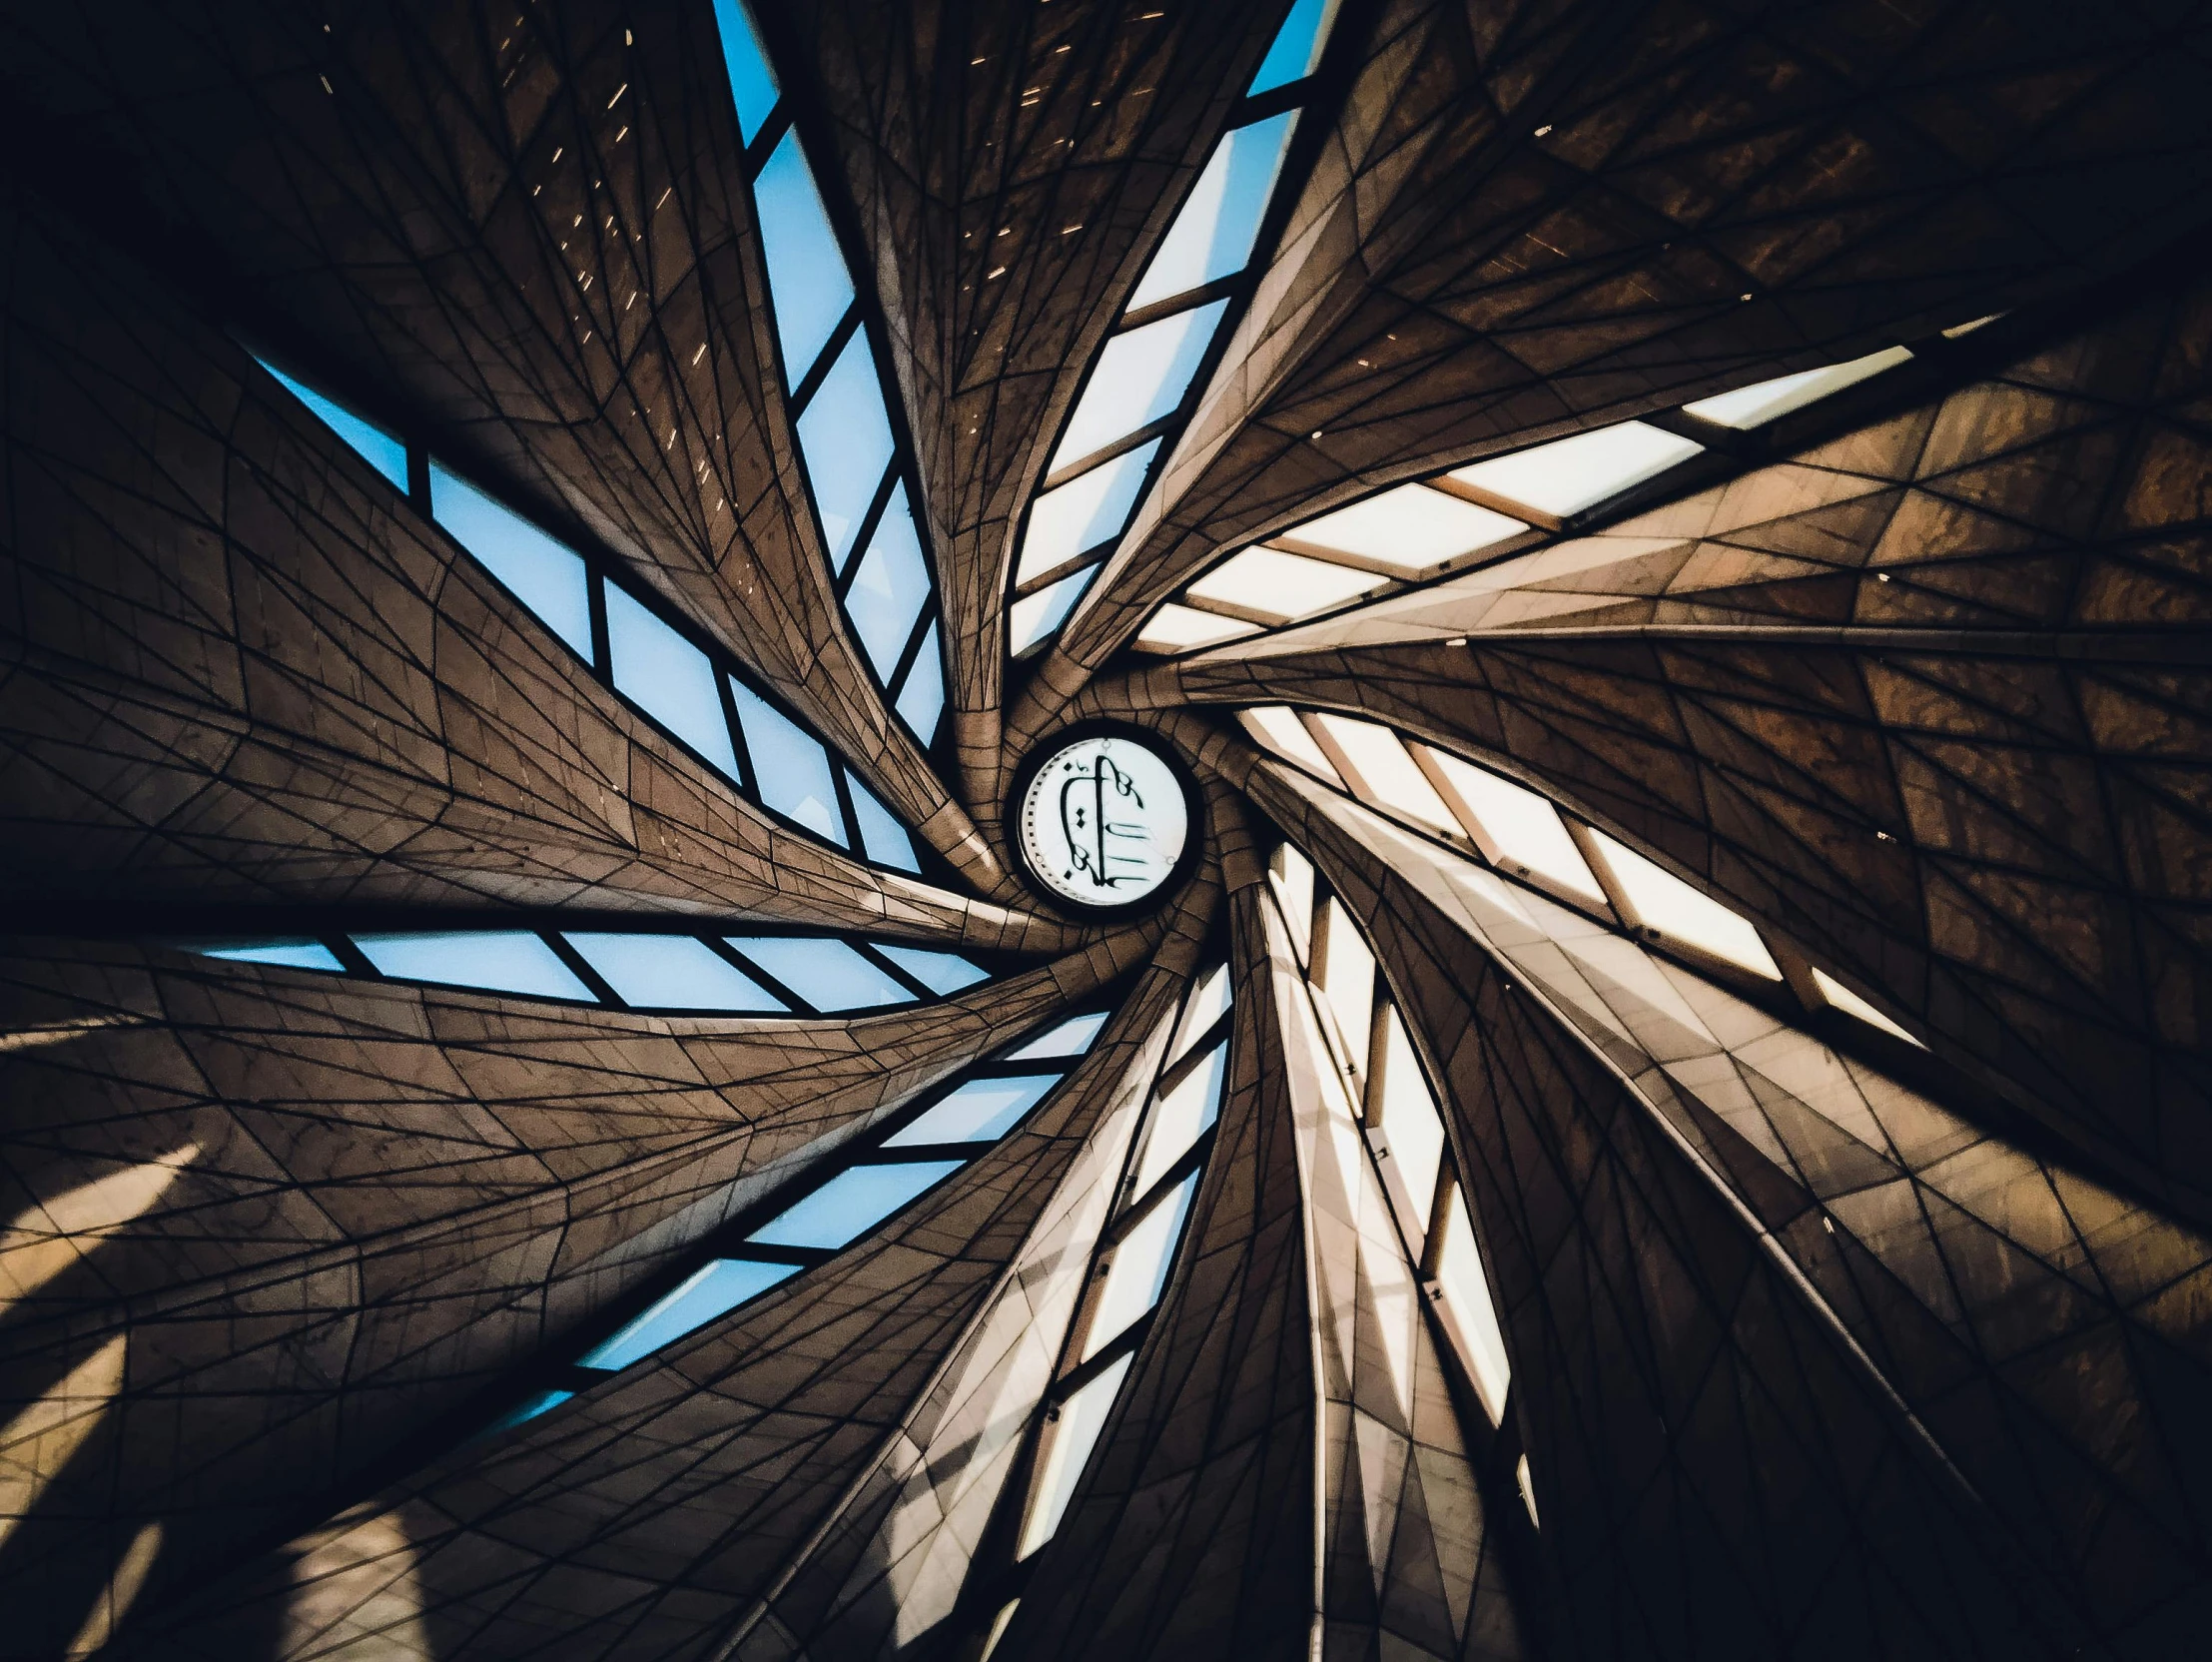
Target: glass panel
<point>922,698</point>
<point>791,767</point>
<point>1750,406</point>
<point>1034,618</point>
<point>806,270</point>
<point>1213,230</point>
<point>1528,1489</point>
<point>1081,1418</point>
<point>291,955</point>
<point>1290,874</point>
<point>828,973</point>
<point>545,575</point>
<point>940,972</point>
<point>1409,1119</point>
<point>1660,900</point>
<point>497,960</point>
<point>1280,586</point>
<point>1071,1038</point>
<point>537,1402</point>
<point>1411,529</point>
<point>1380,769</point>
<point>1141,377</point>
<point>890,589</point>
<point>374,446</point>
<point>1207,1004</point>
<point>672,972</point>
<point>882,838</point>
<point>1564,477</point>
<point>670,679</point>
<point>752,82</point>
<point>1524,828</point>
<point>1084,512</point>
<point>1467,1297</point>
<point>716,1290</point>
<point>1278,729</point>
<point>1852,1004</point>
<point>1175,628</point>
<point>1298,47</point>
<point>999,1625</point>
<point>1181,1117</point>
<point>1344,974</point>
<point>981,1110</point>
<point>846,438</point>
<point>851,1203</point>
<point>1138,1272</point>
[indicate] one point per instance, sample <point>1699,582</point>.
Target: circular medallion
<point>1104,820</point>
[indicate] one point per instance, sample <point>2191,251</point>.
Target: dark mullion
<point>772,129</point>
<point>356,961</point>
<point>1257,107</point>
<point>841,786</point>
<point>868,951</point>
<point>1221,288</point>
<point>799,1005</point>
<point>1199,1049</point>
<point>1123,1343</point>
<point>799,1257</point>
<point>1086,561</point>
<point>1134,439</point>
<point>921,1153</point>
<point>878,506</point>
<point>750,784</point>
<point>580,968</point>
<point>418,481</point>
<point>894,683</point>
<point>1137,1206</point>
<point>602,643</point>
<point>818,372</point>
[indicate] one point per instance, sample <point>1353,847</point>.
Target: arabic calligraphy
<point>1103,821</point>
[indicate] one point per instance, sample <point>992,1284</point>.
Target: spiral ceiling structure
<point>1113,829</point>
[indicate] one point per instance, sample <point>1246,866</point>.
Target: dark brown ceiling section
<point>1943,726</point>
<point>518,231</point>
<point>1585,212</point>
<point>1013,168</point>
<point>1714,1464</point>
<point>245,673</point>
<point>649,1515</point>
<point>385,1200</point>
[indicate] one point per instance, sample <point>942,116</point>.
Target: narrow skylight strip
<point>1560,479</point>
<point>753,85</point>
<point>1750,406</point>
<point>809,286</point>
<point>663,670</point>
<point>1662,904</point>
<point>389,455</point>
<point>845,436</point>
<point>1852,1004</point>
<point>1146,375</point>
<point>644,970</point>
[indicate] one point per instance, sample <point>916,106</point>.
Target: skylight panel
<point>1345,976</point>
<point>889,587</point>
<point>1750,406</point>
<point>1467,1298</point>
<point>668,679</point>
<point>1563,478</point>
<point>1084,512</point>
<point>547,576</point>
<point>1142,376</point>
<point>1852,1004</point>
<point>1410,530</point>
<point>1658,899</point>
<point>1280,587</point>
<point>845,435</point>
<point>491,960</point>
<point>752,82</point>
<point>288,954</point>
<point>851,1203</point>
<point>1073,1434</point>
<point>921,703</point>
<point>716,1290</point>
<point>1069,1037</point>
<point>1290,875</point>
<point>1213,230</point>
<point>829,973</point>
<point>1175,628</point>
<point>1278,728</point>
<point>1375,763</point>
<point>1517,827</point>
<point>791,767</point>
<point>370,443</point>
<point>1033,619</point>
<point>980,1111</point>
<point>1410,1120</point>
<point>1139,1271</point>
<point>882,838</point>
<point>1183,1116</point>
<point>1298,46</point>
<point>808,282</point>
<point>943,973</point>
<point>670,972</point>
<point>1207,1004</point>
